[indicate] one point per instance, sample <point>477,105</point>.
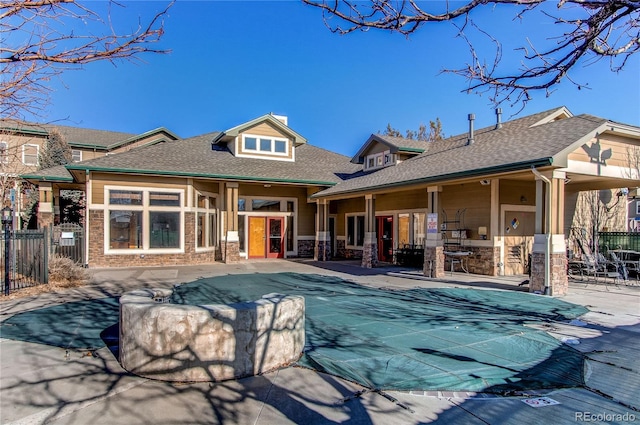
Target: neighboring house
<point>498,200</point>
<point>21,145</point>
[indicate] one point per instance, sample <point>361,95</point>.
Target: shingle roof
<point>80,137</point>
<point>197,158</point>
<point>58,173</point>
<point>404,144</point>
<point>73,135</point>
<point>396,144</point>
<point>517,145</point>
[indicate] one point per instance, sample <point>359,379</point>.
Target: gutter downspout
<point>547,233</point>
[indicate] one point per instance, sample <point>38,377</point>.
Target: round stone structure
<point>190,343</point>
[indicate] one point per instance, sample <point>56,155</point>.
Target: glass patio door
<point>275,239</point>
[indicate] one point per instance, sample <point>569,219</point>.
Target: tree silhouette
<point>41,39</point>
<point>583,32</point>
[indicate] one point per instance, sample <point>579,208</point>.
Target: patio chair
<point>620,266</point>
<point>590,266</point>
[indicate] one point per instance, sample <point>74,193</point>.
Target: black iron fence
<point>619,240</point>
<point>27,262</point>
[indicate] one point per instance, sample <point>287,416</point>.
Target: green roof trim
<point>518,166</point>
<point>143,135</point>
<point>46,178</point>
<point>202,175</point>
<point>412,150</point>
<point>26,131</point>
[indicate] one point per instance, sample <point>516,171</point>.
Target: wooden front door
<point>257,242</point>
<point>519,227</point>
<point>275,238</point>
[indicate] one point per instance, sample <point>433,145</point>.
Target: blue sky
<point>232,61</point>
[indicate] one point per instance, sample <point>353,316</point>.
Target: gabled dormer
<point>266,137</point>
<point>556,115</point>
<point>382,151</point>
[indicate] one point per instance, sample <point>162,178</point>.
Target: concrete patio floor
<point>46,384</point>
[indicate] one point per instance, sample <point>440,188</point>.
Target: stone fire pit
<point>174,342</point>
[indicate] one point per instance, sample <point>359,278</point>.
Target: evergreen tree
<point>56,151</point>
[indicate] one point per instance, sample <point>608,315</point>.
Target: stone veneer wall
<point>483,260</point>
<point>370,253</point>
<point>306,248</point>
<point>347,254</point>
<point>323,251</point>
<point>45,219</point>
<point>558,273</point>
<point>97,257</point>
<point>433,261</point>
<point>230,252</point>
<point>190,343</point>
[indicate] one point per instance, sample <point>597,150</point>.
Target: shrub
<point>63,270</point>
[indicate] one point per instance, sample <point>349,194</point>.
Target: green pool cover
<point>421,339</point>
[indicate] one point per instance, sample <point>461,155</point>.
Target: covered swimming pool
<point>421,339</point>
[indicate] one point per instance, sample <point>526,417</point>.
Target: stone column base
<point>45,219</point>
<point>322,249</point>
<point>433,261</point>
<point>558,282</point>
<point>370,251</point>
<point>232,248</point>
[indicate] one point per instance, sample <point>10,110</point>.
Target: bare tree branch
<point>586,31</point>
<point>38,42</point>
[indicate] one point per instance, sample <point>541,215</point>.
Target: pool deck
<point>45,384</point>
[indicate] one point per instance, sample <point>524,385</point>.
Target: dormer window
<point>264,145</point>
<point>379,160</point>
<point>250,144</point>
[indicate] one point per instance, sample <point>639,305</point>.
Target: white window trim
<point>248,212</point>
<point>355,229</point>
<point>145,208</point>
<point>24,146</point>
<point>379,160</point>
<point>4,158</point>
<point>272,154</point>
<point>73,155</point>
<point>208,211</point>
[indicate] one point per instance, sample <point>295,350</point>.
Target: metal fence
<point>67,240</point>
<point>27,262</point>
<point>619,240</point>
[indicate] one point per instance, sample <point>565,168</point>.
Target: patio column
<point>322,251</point>
<point>433,248</point>
<point>370,245</point>
<point>232,241</point>
<point>549,255</point>
<point>45,205</point>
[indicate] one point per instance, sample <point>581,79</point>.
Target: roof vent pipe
<point>498,118</point>
<point>470,140</point>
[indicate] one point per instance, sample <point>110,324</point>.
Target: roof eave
<point>41,178</point>
<point>142,136</point>
<point>519,166</point>
<point>234,131</point>
<point>200,175</point>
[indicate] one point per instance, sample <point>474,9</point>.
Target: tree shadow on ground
<point>345,323</point>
